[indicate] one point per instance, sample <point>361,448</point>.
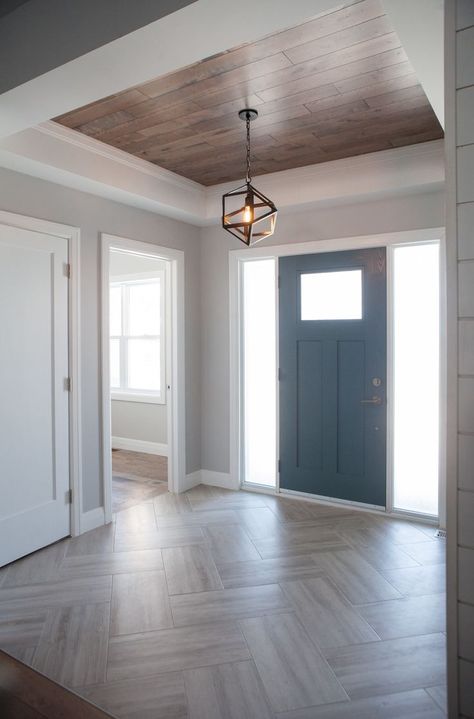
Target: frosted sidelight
<point>259,375</point>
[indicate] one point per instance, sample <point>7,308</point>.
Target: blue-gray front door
<point>332,369</point>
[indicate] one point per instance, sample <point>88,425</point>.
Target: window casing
<point>137,338</point>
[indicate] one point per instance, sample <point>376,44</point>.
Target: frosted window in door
<point>143,364</point>
<point>259,375</point>
<point>416,377</point>
<point>331,295</point>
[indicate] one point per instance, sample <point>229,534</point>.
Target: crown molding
<point>90,144</point>
<point>62,155</point>
<point>415,168</point>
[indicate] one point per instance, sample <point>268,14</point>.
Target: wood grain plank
<point>190,569</point>
<point>267,571</point>
<point>73,647</point>
<point>165,537</point>
<point>355,577</point>
<point>228,604</point>
<point>415,704</point>
<point>231,691</point>
<point>325,613</point>
<point>293,672</point>
<point>230,543</point>
<point>18,601</point>
<point>389,666</point>
<point>408,616</point>
<point>91,565</point>
<point>168,650</point>
<point>139,603</point>
<point>39,567</point>
<point>157,697</point>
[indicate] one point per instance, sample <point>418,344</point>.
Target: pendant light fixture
<point>246,212</point>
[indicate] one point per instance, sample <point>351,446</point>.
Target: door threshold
<point>333,501</point>
<point>360,507</point>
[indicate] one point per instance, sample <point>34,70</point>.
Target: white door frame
<point>175,400</point>
<point>72,235</point>
<point>389,240</point>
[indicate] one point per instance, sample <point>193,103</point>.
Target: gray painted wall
<point>37,198</point>
<point>29,47</point>
<point>137,420</point>
<point>401,213</point>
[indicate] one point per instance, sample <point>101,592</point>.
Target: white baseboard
<point>218,479</point>
<point>191,480</point>
<point>92,519</point>
<point>139,445</point>
<point>206,476</point>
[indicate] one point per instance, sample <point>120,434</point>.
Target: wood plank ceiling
<point>335,86</point>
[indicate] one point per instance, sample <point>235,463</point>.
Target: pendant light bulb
<point>248,210</point>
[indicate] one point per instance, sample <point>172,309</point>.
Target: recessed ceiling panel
<point>335,86</point>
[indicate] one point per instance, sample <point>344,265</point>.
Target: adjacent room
<point>236,366</point>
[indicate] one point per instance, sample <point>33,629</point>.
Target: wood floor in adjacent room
<point>224,605</point>
<point>137,477</point>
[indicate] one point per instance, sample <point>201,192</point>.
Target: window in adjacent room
<point>137,343</point>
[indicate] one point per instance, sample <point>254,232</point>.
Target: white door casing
<point>34,407</point>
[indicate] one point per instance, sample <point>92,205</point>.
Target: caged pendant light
<point>246,212</point>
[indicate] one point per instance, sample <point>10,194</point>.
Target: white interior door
<point>34,401</point>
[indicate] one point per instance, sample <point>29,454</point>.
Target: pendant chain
<point>248,149</point>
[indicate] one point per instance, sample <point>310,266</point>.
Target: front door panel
<point>333,374</point>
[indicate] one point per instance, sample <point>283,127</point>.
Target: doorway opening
<point>408,385</point>
<point>143,371</point>
<point>139,411</point>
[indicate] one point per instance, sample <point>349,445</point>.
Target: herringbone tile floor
<point>235,605</point>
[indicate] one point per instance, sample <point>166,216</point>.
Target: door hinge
<point>279,374</point>
<point>279,466</point>
<point>67,384</point>
<point>278,282</point>
<point>68,496</point>
<point>67,270</point>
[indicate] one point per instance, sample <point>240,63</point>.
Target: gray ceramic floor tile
<point>390,666</point>
<point>418,581</point>
<point>157,697</point>
<point>231,691</point>
<point>190,569</point>
<point>327,616</point>
<point>228,604</point>
<point>408,616</point>
<point>414,704</point>
<point>292,670</point>
<point>73,646</point>
<point>139,603</point>
<point>141,655</point>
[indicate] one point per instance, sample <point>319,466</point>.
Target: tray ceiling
<point>335,86</point>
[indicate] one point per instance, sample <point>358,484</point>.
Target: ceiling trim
<point>65,134</point>
<point>59,154</point>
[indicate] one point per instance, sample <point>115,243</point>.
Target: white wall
<point>37,198</point>
<point>389,215</point>
<point>145,421</point>
<point>460,234</point>
<point>28,46</point>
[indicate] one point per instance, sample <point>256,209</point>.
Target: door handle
<point>373,400</point>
